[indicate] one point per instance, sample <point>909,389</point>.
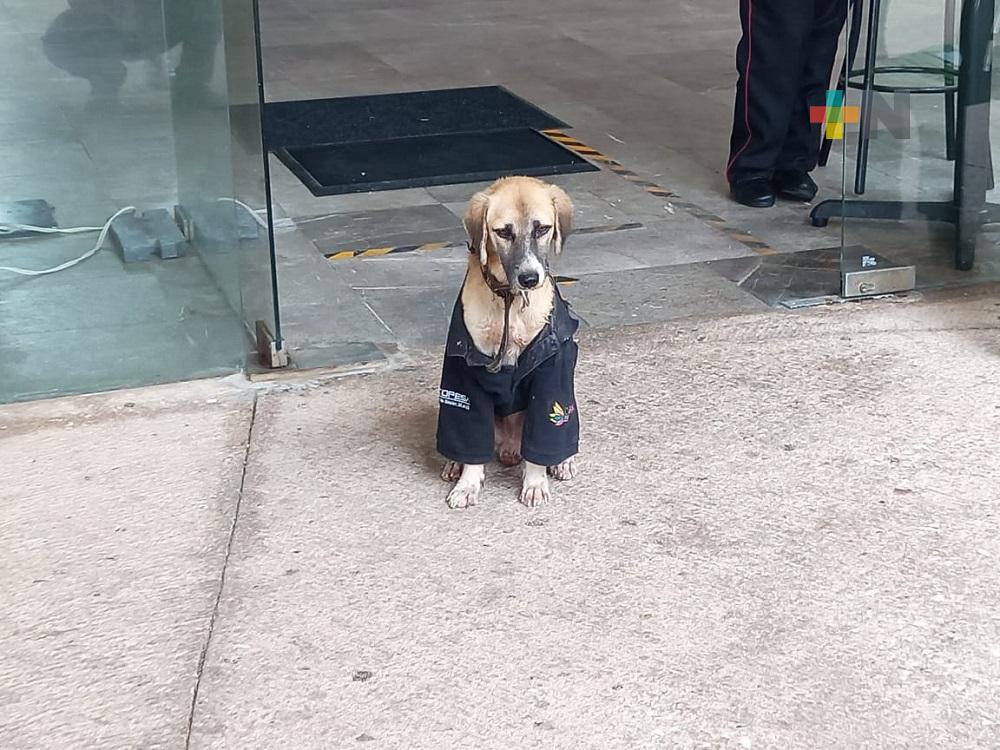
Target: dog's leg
<point>534,486</point>
<point>564,471</point>
<point>508,438</point>
<point>466,492</point>
<point>451,471</point>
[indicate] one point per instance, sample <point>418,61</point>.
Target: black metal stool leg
<point>824,151</point>
<point>949,79</point>
<point>864,136</point>
<point>990,183</point>
<point>850,54</point>
<point>973,168</point>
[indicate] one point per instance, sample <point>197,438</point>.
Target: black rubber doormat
<point>448,159</point>
<point>385,116</point>
<point>415,139</point>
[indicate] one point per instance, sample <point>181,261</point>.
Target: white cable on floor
<point>14,228</point>
<point>256,214</point>
<point>74,230</point>
<point>6,229</point>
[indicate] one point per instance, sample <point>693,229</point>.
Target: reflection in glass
<point>114,103</point>
<point>919,188</point>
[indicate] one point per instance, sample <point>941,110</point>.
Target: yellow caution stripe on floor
<point>746,239</point>
<point>376,252</point>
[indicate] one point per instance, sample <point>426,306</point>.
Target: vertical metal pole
<point>864,137</point>
<point>853,23</point>
<point>267,172</point>
<point>949,78</point>
<point>973,165</point>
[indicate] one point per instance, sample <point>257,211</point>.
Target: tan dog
<point>507,381</point>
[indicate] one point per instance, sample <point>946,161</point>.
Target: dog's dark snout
<point>528,279</point>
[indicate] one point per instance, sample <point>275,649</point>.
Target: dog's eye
<point>504,233</point>
<point>541,230</point>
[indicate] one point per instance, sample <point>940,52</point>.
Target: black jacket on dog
<point>540,384</point>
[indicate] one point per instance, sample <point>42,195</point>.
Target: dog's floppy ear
<point>562,223</point>
<point>475,224</point>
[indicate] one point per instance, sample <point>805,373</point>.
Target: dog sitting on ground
<point>507,381</point>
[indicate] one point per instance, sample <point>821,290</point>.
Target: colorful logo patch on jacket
<point>559,415</point>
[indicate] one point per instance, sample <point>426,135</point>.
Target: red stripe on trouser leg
<point>746,89</point>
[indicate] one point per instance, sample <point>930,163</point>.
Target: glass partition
<point>222,186</point>
<point>919,191</point>
<point>111,104</point>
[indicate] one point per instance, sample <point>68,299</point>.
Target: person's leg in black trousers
<point>85,42</point>
<point>802,143</point>
<point>769,62</point>
<point>198,27</point>
<point>774,55</point>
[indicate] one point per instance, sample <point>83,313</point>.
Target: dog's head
<point>514,225</point>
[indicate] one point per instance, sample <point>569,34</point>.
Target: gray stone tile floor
<point>669,123</point>
<point>650,87</point>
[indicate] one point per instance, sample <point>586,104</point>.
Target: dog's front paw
<point>535,493</point>
<point>465,494</point>
<point>564,471</point>
<point>535,486</point>
<point>451,471</point>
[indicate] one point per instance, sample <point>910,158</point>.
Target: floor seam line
<point>203,657</point>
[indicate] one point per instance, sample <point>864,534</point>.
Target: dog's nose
<point>528,279</point>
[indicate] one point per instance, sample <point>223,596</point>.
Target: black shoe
<point>756,193</point>
<point>795,185</point>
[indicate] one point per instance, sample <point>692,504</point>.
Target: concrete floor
<point>784,536</point>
